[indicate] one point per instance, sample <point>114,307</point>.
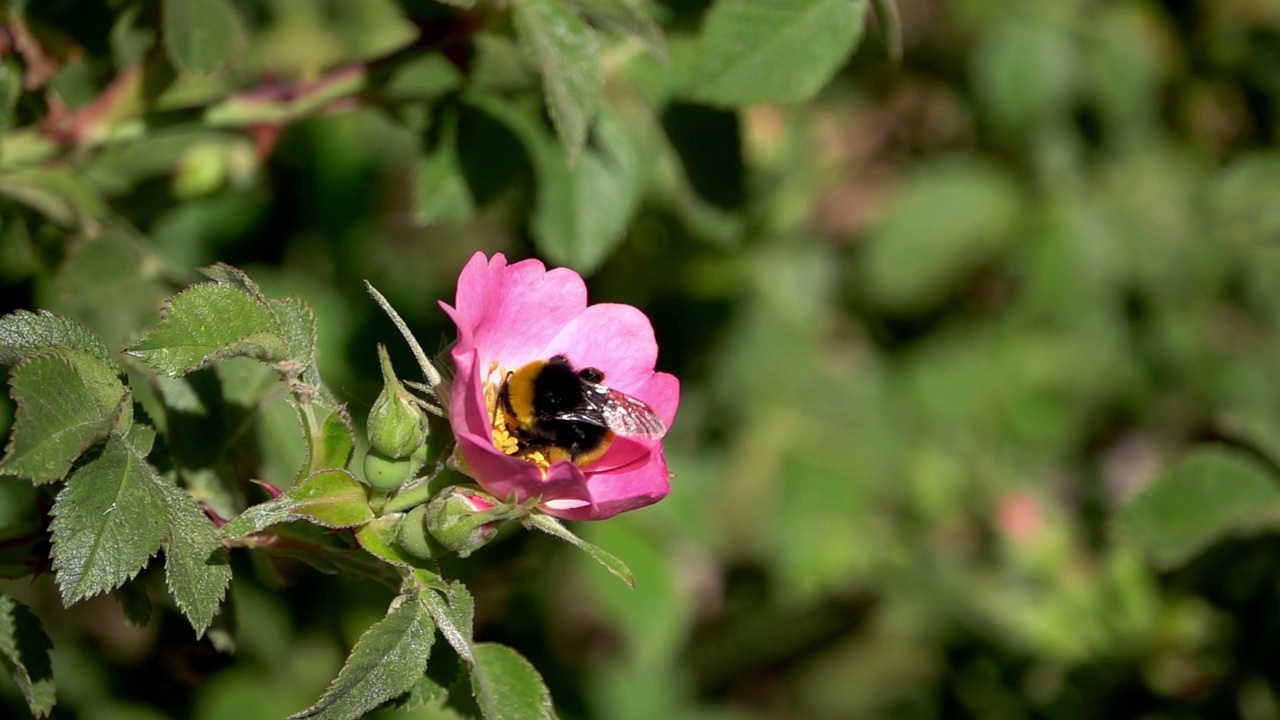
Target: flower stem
<point>409,497</point>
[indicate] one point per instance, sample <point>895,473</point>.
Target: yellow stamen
<point>503,439</point>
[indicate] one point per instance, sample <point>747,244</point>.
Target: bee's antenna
<point>429,372</point>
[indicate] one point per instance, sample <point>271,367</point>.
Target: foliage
<point>977,352</point>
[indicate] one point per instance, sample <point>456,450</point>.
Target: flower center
<point>503,436</point>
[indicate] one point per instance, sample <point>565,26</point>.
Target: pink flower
<point>511,315</point>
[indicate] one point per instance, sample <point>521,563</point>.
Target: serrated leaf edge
<point>440,606</point>
<point>203,625</point>
<point>98,348</point>
<point>68,600</point>
<point>223,274</point>
<point>20,403</point>
<point>396,604</point>
<point>546,711</point>
<point>227,351</point>
<point>574,146</point>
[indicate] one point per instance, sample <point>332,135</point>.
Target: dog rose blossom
<point>511,315</point>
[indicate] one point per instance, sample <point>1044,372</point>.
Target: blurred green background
<point>935,326</point>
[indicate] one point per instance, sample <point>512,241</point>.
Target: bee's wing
<point>590,418</point>
<point>629,416</point>
<point>623,414</point>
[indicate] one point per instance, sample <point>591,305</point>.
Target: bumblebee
<point>551,408</point>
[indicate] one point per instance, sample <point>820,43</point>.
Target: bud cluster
<point>459,519</point>
<point>397,433</point>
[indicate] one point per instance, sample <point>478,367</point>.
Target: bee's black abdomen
<point>557,389</point>
<point>575,436</point>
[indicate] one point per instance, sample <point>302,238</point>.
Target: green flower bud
<point>397,424</point>
<point>463,520</point>
<point>412,536</point>
<point>387,473</point>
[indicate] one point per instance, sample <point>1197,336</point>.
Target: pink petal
<point>617,339</point>
<point>662,393</point>
<point>618,492</point>
<point>511,312</point>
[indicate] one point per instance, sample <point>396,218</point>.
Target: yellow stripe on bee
<point>520,392</point>
<point>585,459</point>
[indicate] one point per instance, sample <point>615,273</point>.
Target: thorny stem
<point>418,490</point>
<point>355,560</point>
<point>410,497</point>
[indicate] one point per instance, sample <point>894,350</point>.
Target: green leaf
<point>24,333</point>
<point>554,527</point>
<point>114,281</point>
<point>67,401</point>
<point>1210,494</point>
<point>328,435</point>
<point>951,219</point>
<point>225,274</point>
<point>581,214</point>
<point>332,498</point>
<point>387,661</point>
<point>442,193</point>
<point>141,438</point>
<point>454,613</point>
<point>24,653</point>
<point>335,444</point>
<point>507,687</point>
<point>627,17</point>
<point>568,57</point>
<point>208,322</point>
<point>1026,70</point>
<point>889,23</point>
<point>130,39</point>
<point>779,51</point>
<point>107,522</point>
<point>298,321</point>
<point>195,564</point>
<point>58,194</point>
<point>202,35</point>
